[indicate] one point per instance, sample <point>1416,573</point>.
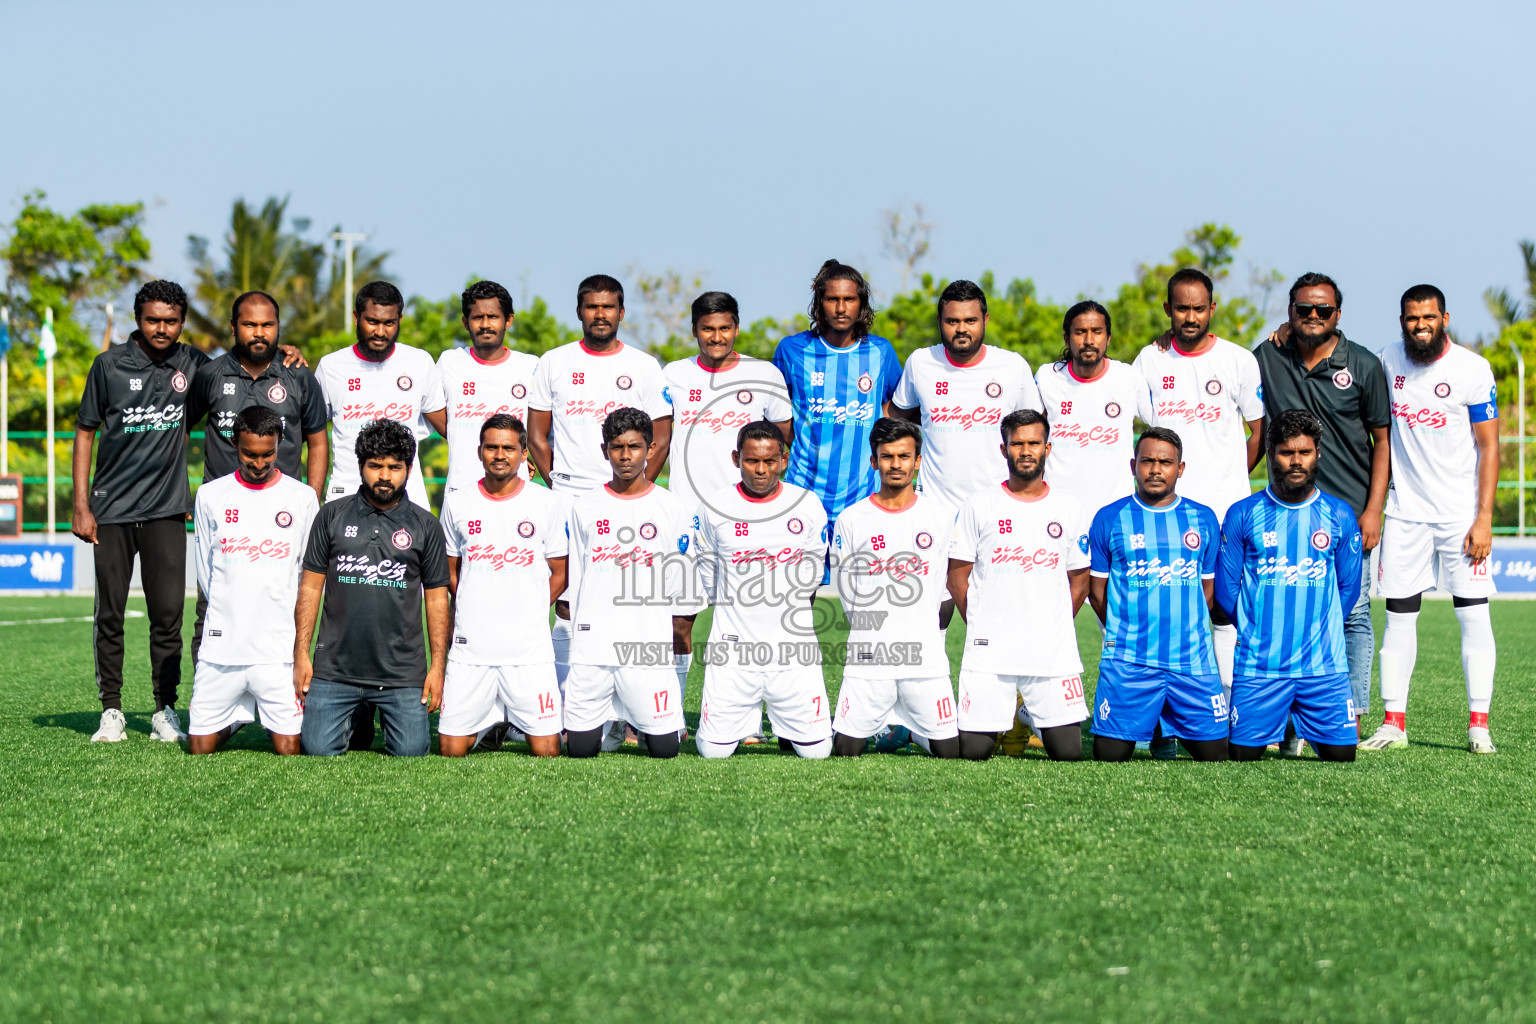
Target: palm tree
<point>1506,309</point>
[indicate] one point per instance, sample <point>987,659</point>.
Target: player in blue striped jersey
<point>1289,567</point>
<point>1153,560</point>
<point>840,379</point>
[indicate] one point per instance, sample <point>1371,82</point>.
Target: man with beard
<point>1020,555</point>
<point>1445,468</point>
<point>1288,570</point>
<point>378,378</point>
<point>374,555</point>
<point>1310,364</point>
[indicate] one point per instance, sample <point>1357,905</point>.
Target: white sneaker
<point>1386,737</point>
<point>165,726</point>
<point>1293,747</point>
<point>1479,742</point>
<point>613,737</point>
<point>113,728</point>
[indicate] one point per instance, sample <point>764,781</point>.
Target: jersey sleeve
<point>1099,550</point>
<point>557,541</point>
<point>1139,372</point>
<point>307,516</point>
<point>653,397</point>
<point>1145,410</point>
<point>890,374</point>
<point>704,554</point>
<point>434,561</point>
<point>200,396</point>
<point>1348,558</point>
<point>202,518</point>
<point>541,394</point>
<point>452,544</point>
<point>313,412</point>
<point>681,572</point>
<point>1028,396</point>
<point>329,400</point>
<point>439,396</point>
<point>1229,562</point>
<point>905,396</point>
<point>317,553</point>
<point>432,397</point>
<point>776,407</point>
<point>1077,534</point>
<point>1249,402</point>
<point>1212,544</point>
<point>93,401</point>
<point>967,534</point>
<point>1482,394</point>
<point>1375,400</point>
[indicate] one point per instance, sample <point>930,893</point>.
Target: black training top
<point>376,563</point>
<point>140,405</point>
<point>1348,392</point>
<point>222,389</point>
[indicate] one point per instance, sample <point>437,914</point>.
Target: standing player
<point>506,545</point>
<point>378,378</point>
<point>1090,401</point>
<point>252,526</point>
<point>892,585</point>
<point>485,379</point>
<point>1021,556</point>
<point>960,390</point>
<point>630,539</point>
<point>761,546</point>
<point>1445,468</point>
<point>1206,388</point>
<point>1151,578</point>
<point>1289,568</point>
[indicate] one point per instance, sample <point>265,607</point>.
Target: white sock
<point>814,751</point>
<point>1477,655</point>
<point>922,741</point>
<point>560,636</point>
<point>1399,650</point>
<point>1224,639</point>
<point>715,750</point>
<point>680,665</point>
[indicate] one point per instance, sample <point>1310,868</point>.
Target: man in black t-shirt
<point>373,555</point>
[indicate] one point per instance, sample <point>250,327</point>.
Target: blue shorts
<point>1323,707</point>
<point>1130,698</point>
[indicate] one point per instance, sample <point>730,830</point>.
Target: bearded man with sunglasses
<point>1309,364</point>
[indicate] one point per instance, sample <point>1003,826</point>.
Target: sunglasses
<point>1306,309</point>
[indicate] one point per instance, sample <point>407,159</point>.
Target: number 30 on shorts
<point>1073,689</point>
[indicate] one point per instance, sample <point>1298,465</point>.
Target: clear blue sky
<point>1383,143</point>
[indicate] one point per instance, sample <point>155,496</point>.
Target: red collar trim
<point>892,511</point>
<point>735,359</point>
<point>964,366</point>
<point>617,348</point>
<point>778,489</point>
<point>1194,355</point>
<point>628,497</point>
<point>501,497</point>
<point>277,475</point>
<point>505,352</point>
<point>1027,501</point>
<point>1104,368</point>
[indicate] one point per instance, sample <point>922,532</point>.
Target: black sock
<point>1206,750</point>
<point>585,743</point>
<point>1062,742</point>
<point>848,746</point>
<point>1335,751</point>
<point>977,746</point>
<point>949,748</point>
<point>1240,753</point>
<point>1106,748</point>
<point>662,744</point>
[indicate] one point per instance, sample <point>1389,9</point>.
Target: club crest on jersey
<point>647,531</point>
<point>525,529</point>
<point>994,390</point>
<point>1192,539</point>
<point>682,544</point>
<point>624,383</point>
<point>1112,410</point>
<point>925,539</point>
<point>1442,390</point>
<point>518,391</point>
<point>795,525</point>
<point>179,382</point>
<point>403,382</point>
<point>284,519</point>
<point>1053,529</point>
<point>401,539</point>
<point>277,394</point>
<point>744,397</point>
<point>1342,380</point>
<point>866,383</point>
<point>1213,387</point>
<point>1321,540</point>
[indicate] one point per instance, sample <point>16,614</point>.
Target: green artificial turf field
<point>143,884</point>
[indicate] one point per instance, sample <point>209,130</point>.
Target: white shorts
<point>476,697</point>
<point>1411,554</point>
<point>646,696</point>
<point>988,701</point>
<point>924,705</point>
<point>225,695</point>
<point>731,708</point>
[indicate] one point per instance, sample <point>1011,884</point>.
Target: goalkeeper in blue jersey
<point>1288,569</point>
<point>1153,560</point>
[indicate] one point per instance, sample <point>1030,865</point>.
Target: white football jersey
<point>708,408</point>
<point>1434,458</point>
<point>358,391</point>
<point>579,388</point>
<point>472,392</point>
<point>250,553</point>
<point>1093,438</point>
<point>503,545</point>
<point>892,571</point>
<point>760,561</point>
<point>962,410</point>
<point>1019,606</point>
<point>1206,399</point>
<point>632,572</point>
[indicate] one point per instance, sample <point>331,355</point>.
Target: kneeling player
<point>761,548</point>
<point>1289,568</point>
<point>251,530</point>
<point>1153,564</point>
<point>629,539</point>
<point>1018,571</point>
<point>892,589</point>
<point>506,545</point>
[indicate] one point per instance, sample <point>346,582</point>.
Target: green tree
<point>1506,309</point>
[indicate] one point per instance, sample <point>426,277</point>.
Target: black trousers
<point>160,545</point>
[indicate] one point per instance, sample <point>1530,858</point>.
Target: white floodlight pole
<point>1520,399</point>
<point>347,239</point>
<point>48,378</point>
<point>5,399</point>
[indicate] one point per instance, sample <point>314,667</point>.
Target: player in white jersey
<point>1445,469</point>
<point>1020,556</point>
<point>485,379</point>
<point>761,548</point>
<point>1091,402</point>
<point>630,538</point>
<point>1206,389</point>
<point>251,529</point>
<point>960,390</point>
<point>506,544</point>
<point>891,566</point>
<point>378,378</point>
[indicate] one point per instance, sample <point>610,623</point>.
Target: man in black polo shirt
<point>373,554</point>
<point>251,375</point>
<point>1309,364</point>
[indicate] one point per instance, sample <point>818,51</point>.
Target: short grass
<point>143,884</point>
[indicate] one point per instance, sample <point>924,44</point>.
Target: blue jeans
<point>1360,643</point>
<point>328,718</point>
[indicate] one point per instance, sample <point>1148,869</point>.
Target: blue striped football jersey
<point>837,394</point>
<point>1286,577</point>
<point>1154,562</point>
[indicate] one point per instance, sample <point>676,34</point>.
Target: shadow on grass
<point>86,722</point>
